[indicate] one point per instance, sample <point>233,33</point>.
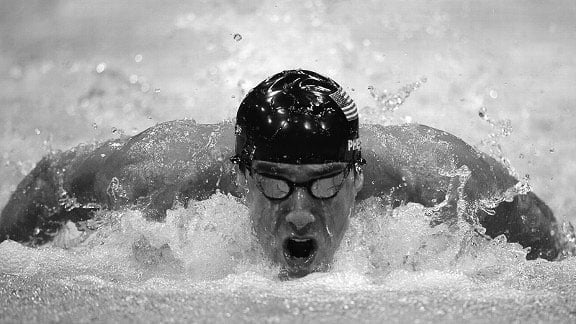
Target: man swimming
<point>299,163</point>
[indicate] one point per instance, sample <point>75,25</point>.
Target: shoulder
<point>407,134</point>
<point>425,159</point>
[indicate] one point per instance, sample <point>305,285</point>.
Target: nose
<point>300,215</point>
<point>300,218</point>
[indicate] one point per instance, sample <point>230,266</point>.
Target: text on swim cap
<point>354,144</point>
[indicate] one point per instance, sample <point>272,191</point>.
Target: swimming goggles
<point>322,188</point>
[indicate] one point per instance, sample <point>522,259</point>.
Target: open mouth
<point>299,252</point>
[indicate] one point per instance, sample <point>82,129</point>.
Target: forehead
<point>298,172</point>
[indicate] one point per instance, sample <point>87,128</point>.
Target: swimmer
<point>301,162</point>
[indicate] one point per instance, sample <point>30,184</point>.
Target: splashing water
<point>502,128</point>
<point>387,102</point>
<point>205,256</point>
<point>390,102</point>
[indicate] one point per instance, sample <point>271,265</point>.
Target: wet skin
<point>301,232</point>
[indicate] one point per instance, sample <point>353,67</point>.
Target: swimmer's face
<point>299,213</point>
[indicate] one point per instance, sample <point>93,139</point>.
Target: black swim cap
<point>297,117</point>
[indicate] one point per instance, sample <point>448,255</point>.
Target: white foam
<point>211,241</point>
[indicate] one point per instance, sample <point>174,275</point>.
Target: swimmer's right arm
<point>166,164</point>
<point>58,183</point>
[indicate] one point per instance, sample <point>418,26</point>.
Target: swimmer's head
<point>298,152</point>
<point>297,117</point>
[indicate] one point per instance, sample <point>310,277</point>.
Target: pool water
<point>203,264</point>
<point>498,74</point>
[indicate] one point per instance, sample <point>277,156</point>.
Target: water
<point>82,72</point>
<point>203,264</point>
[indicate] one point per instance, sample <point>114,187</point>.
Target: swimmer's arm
<point>167,164</point>
<point>54,191</point>
<point>171,163</point>
<point>431,165</point>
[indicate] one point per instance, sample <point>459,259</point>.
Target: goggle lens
<point>322,188</point>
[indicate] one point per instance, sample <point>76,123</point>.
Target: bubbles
<point>493,94</point>
<point>138,58</point>
<point>237,37</point>
<point>101,67</point>
<point>36,131</point>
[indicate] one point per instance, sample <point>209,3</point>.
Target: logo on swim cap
<point>297,117</point>
<point>346,104</point>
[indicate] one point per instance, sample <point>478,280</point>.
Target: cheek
<point>261,211</point>
<point>263,216</point>
<point>339,211</point>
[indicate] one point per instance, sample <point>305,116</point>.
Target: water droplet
<point>37,131</point>
<point>133,78</point>
<point>366,42</point>
<point>482,112</point>
<point>237,37</point>
<point>100,67</point>
<point>493,94</point>
<point>156,90</point>
<point>552,150</point>
<point>94,125</point>
<point>138,58</point>
<point>521,156</point>
<point>114,130</point>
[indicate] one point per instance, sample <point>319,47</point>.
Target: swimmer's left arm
<point>429,166</point>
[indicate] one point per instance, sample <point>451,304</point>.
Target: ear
<point>358,180</point>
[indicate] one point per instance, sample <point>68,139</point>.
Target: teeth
<point>300,240</point>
